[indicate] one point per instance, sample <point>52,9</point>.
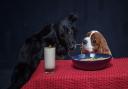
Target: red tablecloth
<point>66,77</point>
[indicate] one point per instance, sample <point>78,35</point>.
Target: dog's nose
<point>73,45</point>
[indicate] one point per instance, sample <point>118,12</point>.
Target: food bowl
<point>91,61</point>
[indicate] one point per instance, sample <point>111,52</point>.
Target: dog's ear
<point>67,23</point>
<point>69,20</point>
<point>104,48</point>
<point>47,34</point>
<point>46,30</point>
<point>72,18</point>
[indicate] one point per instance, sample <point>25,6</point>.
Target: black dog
<point>60,35</point>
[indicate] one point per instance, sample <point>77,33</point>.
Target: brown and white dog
<point>94,42</point>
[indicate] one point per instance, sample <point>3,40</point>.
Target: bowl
<point>94,63</point>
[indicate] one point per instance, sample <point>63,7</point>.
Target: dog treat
<point>94,42</point>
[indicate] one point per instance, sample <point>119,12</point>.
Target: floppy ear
<point>104,48</point>
<point>72,18</point>
<point>48,34</point>
<point>47,31</point>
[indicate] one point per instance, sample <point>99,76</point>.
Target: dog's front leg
<point>23,71</point>
<point>20,75</point>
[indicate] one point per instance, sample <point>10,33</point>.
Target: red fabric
<point>67,77</point>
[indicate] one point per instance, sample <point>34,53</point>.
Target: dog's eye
<point>67,30</point>
<point>94,41</point>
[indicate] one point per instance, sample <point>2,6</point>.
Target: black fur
<point>60,35</point>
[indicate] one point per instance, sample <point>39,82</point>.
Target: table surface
<point>67,77</point>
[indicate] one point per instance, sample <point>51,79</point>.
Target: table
<point>67,77</point>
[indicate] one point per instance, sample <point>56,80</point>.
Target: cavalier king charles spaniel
<point>94,42</point>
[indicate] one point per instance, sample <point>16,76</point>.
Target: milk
<point>49,59</point>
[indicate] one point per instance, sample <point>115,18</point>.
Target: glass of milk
<point>49,59</point>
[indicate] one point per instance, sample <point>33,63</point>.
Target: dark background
<point>20,19</point>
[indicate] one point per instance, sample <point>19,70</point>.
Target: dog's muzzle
<point>87,45</point>
<point>72,45</point>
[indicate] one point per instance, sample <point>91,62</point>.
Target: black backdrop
<point>20,19</point>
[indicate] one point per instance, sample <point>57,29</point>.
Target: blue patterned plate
<point>81,61</point>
